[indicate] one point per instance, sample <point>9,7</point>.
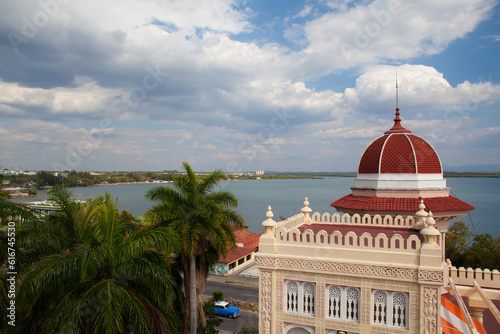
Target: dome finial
<point>397,127</point>
<point>397,102</point>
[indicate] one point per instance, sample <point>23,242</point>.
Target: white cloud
<point>369,32</point>
<point>184,80</point>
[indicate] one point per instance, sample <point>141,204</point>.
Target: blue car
<point>224,309</point>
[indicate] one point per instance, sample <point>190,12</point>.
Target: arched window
<point>399,307</point>
<point>390,308</point>
<point>292,293</point>
<point>380,307</point>
<point>352,304</point>
<point>343,303</point>
<point>308,296</point>
<point>300,297</point>
<point>334,301</point>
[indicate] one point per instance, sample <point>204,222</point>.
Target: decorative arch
<point>397,242</point>
<point>343,303</point>
<point>298,329</point>
<point>390,308</point>
<point>300,297</point>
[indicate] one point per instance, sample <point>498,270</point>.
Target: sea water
<point>286,197</point>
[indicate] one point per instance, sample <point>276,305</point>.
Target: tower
<point>378,267</point>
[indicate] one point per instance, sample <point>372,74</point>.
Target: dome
<point>399,151</point>
<point>395,172</point>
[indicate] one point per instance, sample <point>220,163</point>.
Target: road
<point>240,292</point>
<point>249,318</point>
<point>236,291</point>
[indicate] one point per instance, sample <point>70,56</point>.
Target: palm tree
<point>204,220</point>
<point>4,300</point>
<point>108,277</point>
<point>9,212</point>
<point>59,231</point>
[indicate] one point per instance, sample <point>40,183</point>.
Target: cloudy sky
<point>279,85</point>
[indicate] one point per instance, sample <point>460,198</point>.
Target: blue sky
<point>244,85</point>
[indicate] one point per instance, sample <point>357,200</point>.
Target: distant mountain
<point>473,168</point>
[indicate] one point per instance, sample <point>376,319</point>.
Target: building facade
<point>378,266</point>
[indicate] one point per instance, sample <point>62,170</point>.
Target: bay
<point>286,198</point>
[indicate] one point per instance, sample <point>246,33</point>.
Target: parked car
<point>224,309</point>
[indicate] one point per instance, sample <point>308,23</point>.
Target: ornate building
<point>379,267</point>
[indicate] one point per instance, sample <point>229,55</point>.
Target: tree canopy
<point>466,249</point>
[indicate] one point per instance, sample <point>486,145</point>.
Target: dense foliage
<point>90,269</point>
<point>467,249</point>
<point>82,179</point>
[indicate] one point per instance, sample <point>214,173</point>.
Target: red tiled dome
<point>399,153</point>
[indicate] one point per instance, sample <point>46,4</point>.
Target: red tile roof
<point>399,153</point>
<point>250,243</point>
<point>394,204</point>
<point>238,253</point>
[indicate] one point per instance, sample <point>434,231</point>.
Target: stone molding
<point>352,269</point>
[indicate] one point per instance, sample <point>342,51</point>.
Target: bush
<point>246,329</point>
<point>218,295</point>
<point>212,320</point>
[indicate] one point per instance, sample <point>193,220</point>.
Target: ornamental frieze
<point>352,269</point>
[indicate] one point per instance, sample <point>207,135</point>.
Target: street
<point>246,317</point>
<point>236,291</point>
<point>243,292</point>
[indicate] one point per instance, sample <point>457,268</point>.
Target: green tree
<point>4,195</point>
<point>44,179</point>
<point>4,300</point>
<point>480,253</point>
<point>466,249</point>
<point>100,275</point>
<point>9,212</point>
<point>204,219</point>
<point>457,241</point>
<point>212,319</point>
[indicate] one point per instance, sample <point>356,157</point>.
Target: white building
<point>380,266</point>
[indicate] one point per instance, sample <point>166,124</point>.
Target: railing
<point>486,278</point>
<point>286,231</point>
<point>350,239</point>
<point>367,220</point>
<point>291,222</point>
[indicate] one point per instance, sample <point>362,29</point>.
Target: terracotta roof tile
<point>397,156</point>
<point>397,153</point>
<point>434,204</point>
<point>369,162</point>
<point>250,243</point>
<point>237,254</point>
<point>428,160</point>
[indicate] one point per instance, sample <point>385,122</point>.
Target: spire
<point>397,102</point>
<point>397,127</point>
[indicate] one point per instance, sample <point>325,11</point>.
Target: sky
<point>244,85</point>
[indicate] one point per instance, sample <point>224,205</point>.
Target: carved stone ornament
<point>430,310</point>
<point>266,293</point>
<point>356,269</point>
